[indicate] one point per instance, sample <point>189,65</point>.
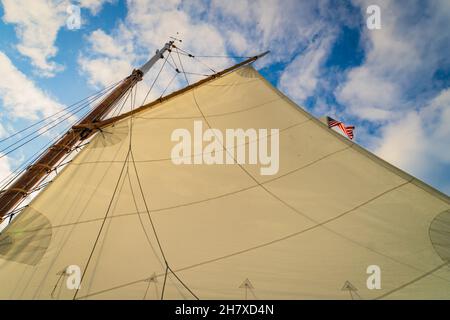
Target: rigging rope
<point>39,185</point>
<point>135,201</point>
<point>186,53</point>
<point>174,63</point>
<point>125,162</point>
<point>22,168</point>
<point>125,99</point>
<point>211,56</point>
<point>164,284</point>
<point>186,72</point>
<point>31,139</point>
<point>154,81</point>
<point>317,224</point>
<point>62,118</point>
<point>4,182</point>
<point>131,156</point>
<point>102,225</point>
<point>101,92</point>
<point>168,85</point>
<point>195,57</point>
<point>39,133</point>
<point>181,64</point>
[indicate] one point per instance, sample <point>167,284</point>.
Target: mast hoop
<point>17,190</point>
<point>38,166</point>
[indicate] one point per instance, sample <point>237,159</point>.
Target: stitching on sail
<point>259,105</point>
<point>204,153</point>
<point>266,244</point>
<point>413,281</point>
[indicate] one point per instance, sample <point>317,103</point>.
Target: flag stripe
<point>347,130</point>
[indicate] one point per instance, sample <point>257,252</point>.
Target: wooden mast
<point>34,174</point>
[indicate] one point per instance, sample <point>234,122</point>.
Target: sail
<point>333,222</point>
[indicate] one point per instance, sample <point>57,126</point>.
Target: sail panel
<point>122,208</point>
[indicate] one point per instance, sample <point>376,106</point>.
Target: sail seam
<point>197,154</point>
<point>211,198</point>
<point>101,227</point>
<point>424,275</point>
<point>130,151</point>
<point>301,213</point>
<point>251,249</point>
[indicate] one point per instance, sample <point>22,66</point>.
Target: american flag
<point>332,123</point>
<point>348,130</point>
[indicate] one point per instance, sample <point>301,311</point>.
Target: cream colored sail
<point>226,231</point>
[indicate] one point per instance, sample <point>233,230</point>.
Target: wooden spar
<point>51,157</point>
<point>20,188</point>
<point>10,197</point>
<point>159,101</point>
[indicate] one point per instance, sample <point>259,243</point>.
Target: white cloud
<point>281,26</point>
<point>401,59</point>
<point>403,143</point>
<point>300,77</point>
<point>21,97</point>
<point>104,44</point>
<point>419,141</point>
<point>109,58</point>
<point>103,71</point>
<point>37,24</point>
<point>5,168</point>
<point>3,131</point>
<point>393,86</point>
<point>215,28</point>
<point>153,22</point>
<point>112,57</point>
<point>93,5</point>
<point>368,95</point>
<point>147,27</point>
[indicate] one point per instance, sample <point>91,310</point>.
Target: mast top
<point>158,55</point>
<point>262,54</point>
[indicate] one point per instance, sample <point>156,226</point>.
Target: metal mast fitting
<point>158,55</point>
<point>34,174</point>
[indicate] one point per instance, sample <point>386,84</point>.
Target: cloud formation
<point>299,79</point>
<point>215,28</point>
<point>5,167</point>
<point>395,87</point>
<point>419,141</point>
<point>37,24</point>
<point>21,97</point>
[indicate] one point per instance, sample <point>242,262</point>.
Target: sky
<point>392,83</point>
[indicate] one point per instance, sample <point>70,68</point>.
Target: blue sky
<point>392,83</point>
